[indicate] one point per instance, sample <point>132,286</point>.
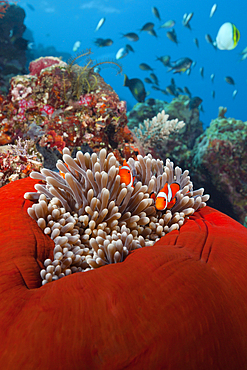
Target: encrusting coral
<point>94,219</point>
<point>18,161</point>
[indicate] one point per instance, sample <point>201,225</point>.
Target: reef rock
<point>220,164</point>
<point>12,45</point>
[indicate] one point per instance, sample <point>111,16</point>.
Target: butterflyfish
<point>228,36</point>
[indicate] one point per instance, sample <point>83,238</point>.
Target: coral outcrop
<point>178,145</point>
<point>220,165</point>
<point>60,104</point>
<point>215,157</point>
<point>12,44</point>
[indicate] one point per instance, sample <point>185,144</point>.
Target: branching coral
<point>157,130</point>
<point>94,219</point>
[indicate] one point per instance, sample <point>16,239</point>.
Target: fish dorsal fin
<point>175,187</point>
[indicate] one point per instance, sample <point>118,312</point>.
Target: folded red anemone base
<point>180,304</point>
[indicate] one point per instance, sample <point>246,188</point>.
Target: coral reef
<point>216,157</point>
<point>220,164</point>
<point>12,44</point>
<point>60,104</point>
<point>18,161</point>
<point>178,145</point>
<point>94,219</point>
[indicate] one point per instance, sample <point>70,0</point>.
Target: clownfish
<point>125,174</point>
<point>166,197</point>
<point>63,174</point>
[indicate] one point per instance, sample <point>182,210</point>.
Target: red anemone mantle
<point>180,304</point>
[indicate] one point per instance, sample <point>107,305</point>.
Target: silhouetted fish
<point>136,87</point>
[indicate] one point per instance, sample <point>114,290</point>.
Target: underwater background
<point>60,24</point>
<point>99,161</point>
<point>152,67</point>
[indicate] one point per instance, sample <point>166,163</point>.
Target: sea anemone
<point>94,219</point>
<point>180,304</point>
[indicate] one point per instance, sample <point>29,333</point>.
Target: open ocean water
<point>61,23</point>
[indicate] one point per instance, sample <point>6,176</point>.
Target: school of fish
<point>227,38</point>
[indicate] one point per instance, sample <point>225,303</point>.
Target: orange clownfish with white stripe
<point>166,198</point>
<point>125,174</point>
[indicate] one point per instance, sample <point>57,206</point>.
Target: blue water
<point>61,23</point>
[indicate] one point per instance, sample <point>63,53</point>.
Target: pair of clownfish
<point>165,199</point>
